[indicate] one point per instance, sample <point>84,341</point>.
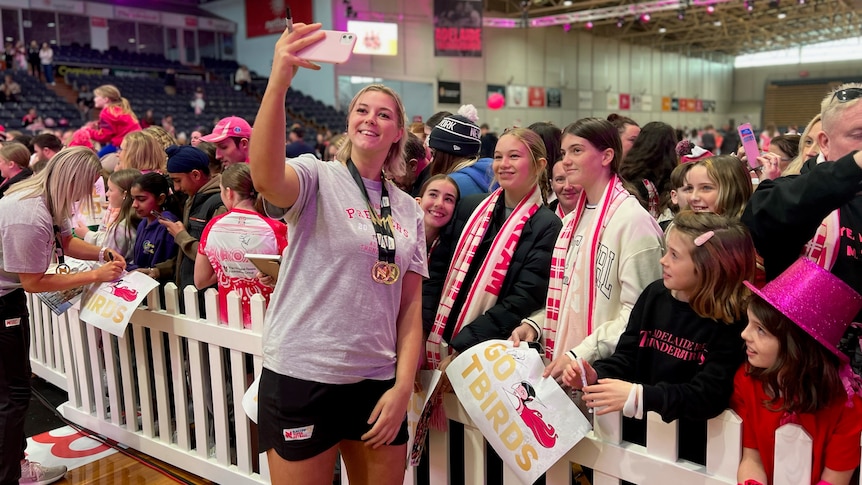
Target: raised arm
<point>274,179</point>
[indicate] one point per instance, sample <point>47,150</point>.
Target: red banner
<point>536,98</point>
<point>266,18</point>
<point>625,101</point>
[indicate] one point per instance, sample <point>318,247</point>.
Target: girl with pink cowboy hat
<point>796,374</point>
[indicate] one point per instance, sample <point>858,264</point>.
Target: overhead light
<point>710,9</point>
<point>567,27</point>
<point>567,3</point>
<point>645,17</point>
<point>589,25</point>
<point>782,15</point>
<point>52,24</point>
<point>620,22</point>
<point>749,5</point>
<point>717,23</point>
<point>662,30</point>
<point>681,14</point>
<point>131,40</point>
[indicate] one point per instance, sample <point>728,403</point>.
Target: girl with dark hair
<point>796,374</point>
<point>227,238</point>
<point>155,249</point>
<point>551,135</point>
<point>628,129</point>
<point>647,166</point>
<point>783,149</point>
<point>606,254</point>
<point>437,198</point>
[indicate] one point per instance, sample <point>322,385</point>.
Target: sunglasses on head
<point>849,94</point>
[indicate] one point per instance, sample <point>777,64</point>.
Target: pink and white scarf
<point>823,247</point>
<point>556,319</point>
<point>486,287</point>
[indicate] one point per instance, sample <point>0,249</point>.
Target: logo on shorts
<point>13,322</point>
<point>297,434</point>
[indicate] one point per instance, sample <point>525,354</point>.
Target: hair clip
<point>700,240</point>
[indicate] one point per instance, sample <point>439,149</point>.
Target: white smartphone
<point>335,48</point>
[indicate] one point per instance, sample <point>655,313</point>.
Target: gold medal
<point>380,272</point>
<point>385,273</point>
<point>394,272</point>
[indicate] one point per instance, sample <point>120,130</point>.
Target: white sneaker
<point>33,473</point>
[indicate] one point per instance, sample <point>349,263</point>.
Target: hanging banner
<point>457,28</point>
<point>646,103</point>
<point>109,306</point>
<point>674,104</point>
<point>536,97</point>
<point>585,100</point>
<point>516,96</point>
<point>665,103</point>
<point>529,421</point>
<point>554,98</point>
<point>266,18</point>
<point>448,92</point>
<point>612,102</point>
<point>709,106</point>
<point>698,105</point>
<point>625,101</point>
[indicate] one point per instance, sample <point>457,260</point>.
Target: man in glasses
<point>819,214</point>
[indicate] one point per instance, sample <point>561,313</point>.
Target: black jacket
<point>784,214</point>
<point>199,210</point>
<point>525,286</point>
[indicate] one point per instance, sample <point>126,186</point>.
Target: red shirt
<point>834,431</point>
<point>225,242</point>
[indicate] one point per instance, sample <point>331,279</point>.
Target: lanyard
<point>62,267</point>
<point>384,270</point>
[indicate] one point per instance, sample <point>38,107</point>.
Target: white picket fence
<point>163,387</point>
<point>173,373</point>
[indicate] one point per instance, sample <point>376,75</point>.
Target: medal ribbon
<point>383,223</point>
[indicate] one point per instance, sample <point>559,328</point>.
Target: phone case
<point>749,142</point>
<point>335,48</point>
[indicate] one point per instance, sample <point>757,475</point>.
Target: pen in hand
<point>288,20</point>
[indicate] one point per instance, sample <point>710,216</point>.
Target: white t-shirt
<point>328,321</point>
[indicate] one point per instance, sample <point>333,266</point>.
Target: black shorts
<point>301,419</point>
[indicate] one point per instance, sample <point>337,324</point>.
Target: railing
<point>182,379</point>
<point>46,342</point>
<point>171,387</point>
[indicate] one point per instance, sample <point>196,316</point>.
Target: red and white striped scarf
<point>486,287</point>
<point>559,211</point>
<point>559,285</point>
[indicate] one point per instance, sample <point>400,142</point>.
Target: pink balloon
<point>496,101</point>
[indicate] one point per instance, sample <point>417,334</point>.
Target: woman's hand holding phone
<point>285,62</point>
